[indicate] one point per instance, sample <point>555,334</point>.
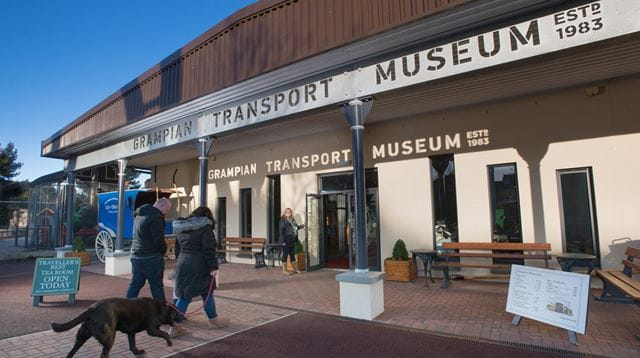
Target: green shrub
<point>78,244</point>
<point>400,251</point>
<point>299,247</point>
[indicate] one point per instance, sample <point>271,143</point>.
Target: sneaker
<point>177,331</point>
<point>219,322</point>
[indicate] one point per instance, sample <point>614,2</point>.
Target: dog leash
<point>184,314</point>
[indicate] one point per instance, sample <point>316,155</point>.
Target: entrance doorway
<point>337,215</point>
<point>330,221</point>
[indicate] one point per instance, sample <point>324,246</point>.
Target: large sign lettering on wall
<point>341,157</point>
<point>588,23</point>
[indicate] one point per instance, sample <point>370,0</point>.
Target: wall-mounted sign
<point>341,157</point>
<point>554,297</point>
<point>159,137</point>
<point>55,276</point>
<point>588,23</point>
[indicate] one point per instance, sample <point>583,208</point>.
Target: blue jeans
<point>147,269</point>
<point>209,306</point>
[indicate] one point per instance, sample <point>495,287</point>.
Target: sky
<point>60,58</point>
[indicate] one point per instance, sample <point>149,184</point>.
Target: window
<point>578,211</point>
<point>245,212</point>
<point>445,207</point>
<point>111,172</point>
<point>505,203</point>
<point>344,181</point>
<point>274,210</point>
<point>221,219</point>
<point>86,174</point>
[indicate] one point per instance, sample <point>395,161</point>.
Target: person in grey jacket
<point>148,249</point>
<point>197,262</point>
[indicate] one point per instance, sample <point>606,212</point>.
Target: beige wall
<point>231,191</point>
<point>186,183</point>
<point>294,188</point>
<point>405,205</point>
<point>472,186</point>
<point>615,177</point>
<point>541,134</point>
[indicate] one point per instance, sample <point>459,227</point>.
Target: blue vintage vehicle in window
<point>108,217</point>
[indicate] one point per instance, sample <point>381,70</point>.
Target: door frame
<point>306,233</point>
<point>592,207</point>
<point>349,194</point>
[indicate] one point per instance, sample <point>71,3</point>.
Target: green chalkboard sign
<point>55,276</point>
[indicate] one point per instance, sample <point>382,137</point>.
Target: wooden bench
<point>7,233</point>
<point>620,286</point>
<point>243,245</point>
<point>490,250</point>
<point>92,232</point>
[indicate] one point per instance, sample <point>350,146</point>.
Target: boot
<point>284,268</point>
<point>219,322</point>
<point>294,264</point>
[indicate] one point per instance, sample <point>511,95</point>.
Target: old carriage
<point>108,216</point>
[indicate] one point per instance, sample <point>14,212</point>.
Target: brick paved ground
<point>51,344</point>
<point>468,308</point>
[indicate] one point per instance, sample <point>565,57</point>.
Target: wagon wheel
<point>104,245</point>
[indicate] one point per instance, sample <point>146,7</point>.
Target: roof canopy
<point>257,39</point>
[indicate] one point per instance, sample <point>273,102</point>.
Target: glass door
<point>335,230</point>
<point>371,230</point>
<point>313,232</point>
<point>579,231</point>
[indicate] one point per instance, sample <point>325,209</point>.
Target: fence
<point>47,212</point>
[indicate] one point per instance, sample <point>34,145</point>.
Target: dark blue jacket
<point>148,232</point>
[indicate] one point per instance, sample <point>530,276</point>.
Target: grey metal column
<point>69,208</point>
<point>204,147</point>
<point>355,113</point>
<point>122,166</point>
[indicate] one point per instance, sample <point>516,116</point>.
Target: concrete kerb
<point>545,349</point>
<point>231,334</point>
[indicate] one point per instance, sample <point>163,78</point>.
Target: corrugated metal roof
<point>257,39</point>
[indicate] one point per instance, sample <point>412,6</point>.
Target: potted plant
<point>300,258</point>
<point>399,267</point>
<point>79,251</point>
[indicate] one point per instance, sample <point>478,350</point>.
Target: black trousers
<point>288,250</point>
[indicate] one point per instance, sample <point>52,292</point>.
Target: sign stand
<point>55,276</point>
<point>557,298</point>
<point>573,338</point>
<point>40,299</point>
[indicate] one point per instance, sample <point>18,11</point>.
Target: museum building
<point>480,121</point>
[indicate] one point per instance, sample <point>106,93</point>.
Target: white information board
<point>557,298</point>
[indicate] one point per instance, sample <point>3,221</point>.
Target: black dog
<point>129,316</point>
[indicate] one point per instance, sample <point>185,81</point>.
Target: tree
<point>132,178</point>
<point>9,164</point>
<point>9,189</point>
